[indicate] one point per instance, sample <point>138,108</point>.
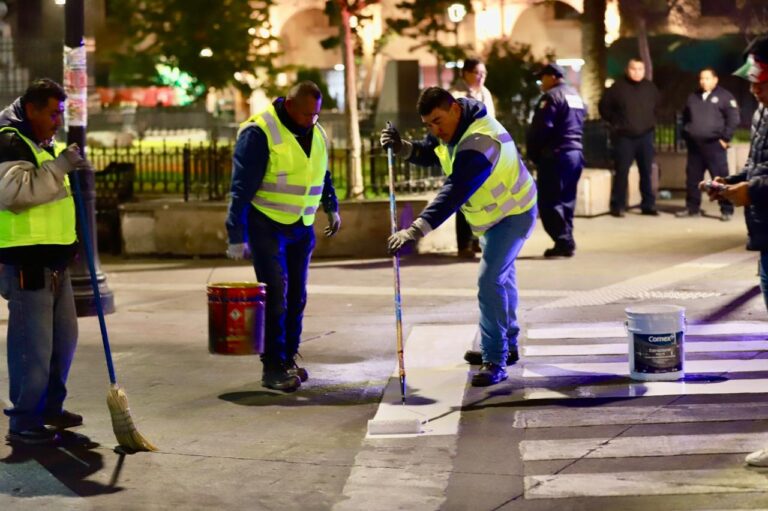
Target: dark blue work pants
<point>703,156</point>
<point>281,256</point>
<point>557,180</point>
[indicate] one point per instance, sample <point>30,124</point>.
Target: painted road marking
<point>663,482</point>
<point>552,350</point>
<point>622,368</point>
<point>616,329</point>
<point>650,281</point>
<point>648,389</point>
<point>632,446</point>
<point>664,414</point>
<point>436,377</point>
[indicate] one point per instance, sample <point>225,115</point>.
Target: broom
<point>117,402</point>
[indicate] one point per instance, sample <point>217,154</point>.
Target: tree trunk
<point>593,48</point>
<point>643,48</point>
<point>355,186</point>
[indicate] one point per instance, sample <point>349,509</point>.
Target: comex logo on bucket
<point>662,339</point>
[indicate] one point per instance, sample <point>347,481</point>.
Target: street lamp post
<point>456,13</point>
<point>76,85</point>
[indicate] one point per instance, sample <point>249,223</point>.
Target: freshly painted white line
<point>616,329</point>
<point>662,482</point>
<point>650,281</point>
<point>608,415</point>
<point>550,350</point>
<point>435,376</point>
<point>647,389</point>
<point>622,368</point>
<point>632,446</point>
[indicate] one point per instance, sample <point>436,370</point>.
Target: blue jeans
<point>763,266</point>
<point>42,337</point>
<point>281,255</point>
<point>497,286</point>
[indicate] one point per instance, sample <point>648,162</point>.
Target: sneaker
<point>559,251</point>
<point>726,217</point>
<point>475,358</point>
<point>280,380</point>
<point>618,213</point>
<point>293,369</point>
<point>63,420</point>
<point>650,212</point>
<point>33,436</point>
<point>489,374</point>
<point>758,458</point>
<point>687,213</point>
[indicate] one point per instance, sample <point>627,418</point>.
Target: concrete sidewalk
<point>227,443</point>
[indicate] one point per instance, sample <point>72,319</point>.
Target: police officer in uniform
<point>709,120</point>
<point>554,145</point>
<point>279,178</point>
<point>488,181</point>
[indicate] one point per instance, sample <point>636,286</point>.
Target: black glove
<point>404,237</point>
<point>334,223</point>
<point>390,137</point>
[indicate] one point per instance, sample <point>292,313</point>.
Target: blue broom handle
<point>84,230</point>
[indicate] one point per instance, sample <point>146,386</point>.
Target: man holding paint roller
<point>37,242</point>
<point>489,182</point>
<point>279,178</point>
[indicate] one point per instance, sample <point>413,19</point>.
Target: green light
<point>186,86</point>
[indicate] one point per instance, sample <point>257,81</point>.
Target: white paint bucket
<point>656,342</point>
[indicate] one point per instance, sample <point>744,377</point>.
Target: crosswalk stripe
<point>616,329</point>
<point>542,370</point>
<point>665,414</point>
<point>621,348</point>
<point>435,374</point>
<point>662,482</point>
<point>648,389</point>
<point>623,447</point>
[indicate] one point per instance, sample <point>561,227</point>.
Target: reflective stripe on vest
<point>52,223</point>
<point>293,183</point>
<point>509,190</point>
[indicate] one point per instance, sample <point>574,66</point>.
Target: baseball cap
<point>551,69</point>
<point>755,67</point>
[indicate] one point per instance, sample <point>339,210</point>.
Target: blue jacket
<point>470,167</point>
<point>558,123</point>
<point>249,165</point>
<point>710,120</point>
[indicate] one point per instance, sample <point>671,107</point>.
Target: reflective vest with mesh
<point>509,190</point>
<point>293,183</point>
<point>52,223</point>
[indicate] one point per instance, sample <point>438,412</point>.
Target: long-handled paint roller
<point>395,426</point>
<point>117,402</point>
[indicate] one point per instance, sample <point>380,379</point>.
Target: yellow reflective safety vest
<point>293,183</point>
<point>509,190</point>
<point>52,223</point>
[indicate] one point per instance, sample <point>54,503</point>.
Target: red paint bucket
<point>236,318</point>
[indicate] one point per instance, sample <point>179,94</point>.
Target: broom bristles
<point>122,423</point>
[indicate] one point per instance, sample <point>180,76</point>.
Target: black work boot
<point>559,251</point>
<point>63,420</point>
<point>276,377</point>
<point>489,374</point>
<point>293,369</point>
<point>475,357</point>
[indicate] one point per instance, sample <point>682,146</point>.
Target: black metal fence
<point>202,171</point>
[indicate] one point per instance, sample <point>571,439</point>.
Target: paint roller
<point>395,426</point>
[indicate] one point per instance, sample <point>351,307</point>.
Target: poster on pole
<point>76,85</point>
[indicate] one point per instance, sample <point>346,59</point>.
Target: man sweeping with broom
<point>37,241</point>
<point>489,182</point>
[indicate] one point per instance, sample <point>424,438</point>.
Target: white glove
<point>237,251</point>
<point>334,224</point>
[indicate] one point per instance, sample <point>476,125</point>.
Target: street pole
<point>76,86</point>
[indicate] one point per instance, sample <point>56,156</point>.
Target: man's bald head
<point>303,103</point>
